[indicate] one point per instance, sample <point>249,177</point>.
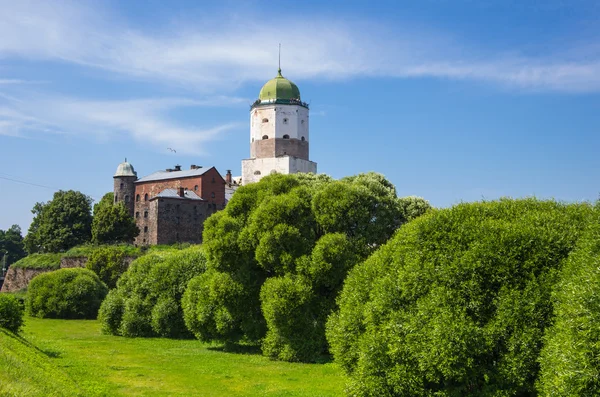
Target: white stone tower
<point>278,132</point>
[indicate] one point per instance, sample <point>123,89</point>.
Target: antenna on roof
<point>279,70</point>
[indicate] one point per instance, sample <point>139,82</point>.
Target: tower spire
<point>279,68</point>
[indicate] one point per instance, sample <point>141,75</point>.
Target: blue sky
<point>452,101</point>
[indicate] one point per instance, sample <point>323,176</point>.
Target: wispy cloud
<point>213,57</point>
<point>145,120</point>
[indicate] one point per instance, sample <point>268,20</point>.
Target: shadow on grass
<point>47,352</point>
<point>245,348</point>
<point>237,348</point>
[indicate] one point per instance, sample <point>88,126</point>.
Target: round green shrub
<point>11,313</point>
<point>569,358</point>
<point>147,299</point>
<point>109,263</point>
<point>110,313</point>
<point>66,293</point>
<point>457,302</point>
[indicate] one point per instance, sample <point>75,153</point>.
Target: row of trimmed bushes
<point>492,298</point>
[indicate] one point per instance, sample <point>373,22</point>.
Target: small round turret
<point>124,185</point>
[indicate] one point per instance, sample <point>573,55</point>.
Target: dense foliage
<point>112,222</point>
<point>569,358</point>
<point>277,257</point>
<point>65,293</point>
<point>88,249</point>
<point>61,223</point>
<point>11,313</point>
<point>109,262</point>
<point>11,245</point>
<point>147,300</point>
<point>39,261</point>
<point>457,302</point>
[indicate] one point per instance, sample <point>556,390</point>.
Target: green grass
<point>86,250</point>
<point>102,365</point>
<point>27,371</point>
<point>39,261</point>
<point>170,247</point>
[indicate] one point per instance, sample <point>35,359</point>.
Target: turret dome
<point>279,88</point>
<point>125,169</point>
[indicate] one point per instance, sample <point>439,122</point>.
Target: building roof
<point>125,169</point>
<point>172,193</point>
<point>165,175</point>
<point>279,88</point>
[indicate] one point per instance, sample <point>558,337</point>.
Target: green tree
<point>11,244</point>
<point>147,300</point>
<point>278,255</point>
<point>457,302</point>
<point>569,358</point>
<point>11,313</point>
<point>112,222</point>
<point>65,293</point>
<point>61,223</point>
<point>109,263</point>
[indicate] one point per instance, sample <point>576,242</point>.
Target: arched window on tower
<point>302,139</point>
<point>286,136</point>
<point>145,214</point>
<point>265,137</point>
<point>126,198</point>
<point>265,120</point>
<point>122,185</point>
<point>256,172</point>
<point>137,197</point>
<point>146,197</point>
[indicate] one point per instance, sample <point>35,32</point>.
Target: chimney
<point>193,167</point>
<point>169,170</point>
<point>228,177</point>
<point>181,192</point>
<point>177,167</point>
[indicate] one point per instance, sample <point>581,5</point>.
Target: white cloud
<point>145,120</point>
<point>213,57</point>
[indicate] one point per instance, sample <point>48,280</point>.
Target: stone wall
<point>74,261</point>
<point>181,221</point>
<point>18,278</point>
<point>279,147</point>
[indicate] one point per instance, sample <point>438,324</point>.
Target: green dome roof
<point>279,88</point>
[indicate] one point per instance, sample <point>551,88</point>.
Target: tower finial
<point>279,69</point>
<point>125,159</point>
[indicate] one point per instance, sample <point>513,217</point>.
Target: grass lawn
<point>101,365</point>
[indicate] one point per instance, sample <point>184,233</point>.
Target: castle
<point>171,206</point>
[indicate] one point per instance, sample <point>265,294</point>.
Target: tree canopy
<point>278,254</point>
<point>569,358</point>
<point>112,222</point>
<point>457,302</point>
<point>61,223</point>
<point>11,244</point>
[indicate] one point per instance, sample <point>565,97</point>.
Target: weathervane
<point>279,70</point>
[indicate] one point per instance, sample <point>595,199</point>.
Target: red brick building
<point>170,206</point>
